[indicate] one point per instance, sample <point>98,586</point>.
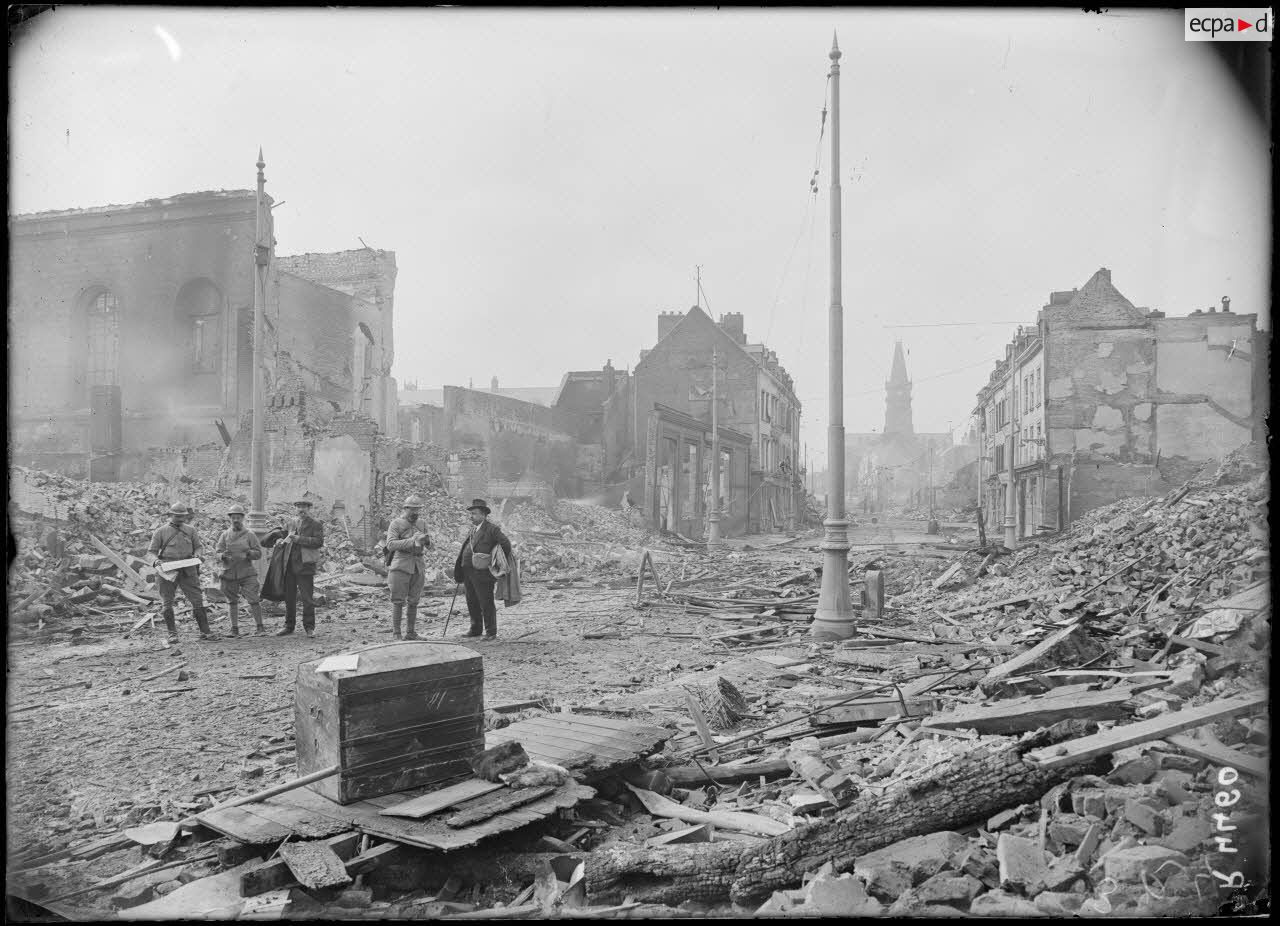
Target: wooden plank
<point>1016,599</point>
<point>589,738</point>
<point>314,864</point>
<point>872,711</point>
<point>1015,665</point>
<point>427,804</point>
<point>1209,748</point>
<point>433,832</point>
<point>116,560</point>
<point>700,723</point>
<point>1132,734</point>
<point>276,874</point>
<point>303,825</point>
<point>482,808</point>
<point>239,824</point>
<point>1032,713</point>
<point>558,749</point>
<point>602,724</point>
<point>1213,649</point>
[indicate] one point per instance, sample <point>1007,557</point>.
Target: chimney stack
<point>1226,304</point>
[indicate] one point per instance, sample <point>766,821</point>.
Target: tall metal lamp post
<point>257,519</point>
<point>833,619</point>
<point>713,517</point>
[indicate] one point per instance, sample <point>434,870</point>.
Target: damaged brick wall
<point>315,326</point>
<point>1135,398</point>
<point>166,264</point>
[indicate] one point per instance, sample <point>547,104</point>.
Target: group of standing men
<point>238,550</point>
<point>408,542</point>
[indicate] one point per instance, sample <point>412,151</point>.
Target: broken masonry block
<point>499,760</point>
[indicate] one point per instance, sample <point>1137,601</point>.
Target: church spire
<point>897,410</point>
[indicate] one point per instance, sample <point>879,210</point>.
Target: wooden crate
<point>410,714</point>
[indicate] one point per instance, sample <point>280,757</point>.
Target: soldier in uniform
<point>472,569</point>
<point>408,541</point>
<point>174,541</point>
<point>239,549</point>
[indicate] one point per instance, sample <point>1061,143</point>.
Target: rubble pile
<point>1037,733</point>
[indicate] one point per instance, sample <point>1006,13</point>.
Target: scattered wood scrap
<point>314,864</point>
<point>1017,715</point>
<point>1144,731</point>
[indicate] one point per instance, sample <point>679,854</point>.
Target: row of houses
<point>643,433</point>
<point>1101,400</point>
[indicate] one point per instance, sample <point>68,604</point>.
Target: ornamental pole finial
<point>835,46</point>
<point>261,162</point>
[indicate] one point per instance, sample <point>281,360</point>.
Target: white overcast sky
<point>549,179</point>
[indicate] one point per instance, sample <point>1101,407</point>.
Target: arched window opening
<point>102,366</point>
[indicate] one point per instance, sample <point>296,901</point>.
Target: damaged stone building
<point>668,428</point>
<point>896,466</point>
<point>131,332</point>
<point>1103,400</point>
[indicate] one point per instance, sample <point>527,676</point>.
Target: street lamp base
<point>834,618</point>
<point>713,531</point>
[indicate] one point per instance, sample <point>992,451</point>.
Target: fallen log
<point>957,794</point>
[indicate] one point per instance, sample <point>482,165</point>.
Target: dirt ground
<point>94,748</point>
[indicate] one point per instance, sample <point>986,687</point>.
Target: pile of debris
<point>1056,736</point>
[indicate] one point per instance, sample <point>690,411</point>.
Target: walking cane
<point>448,616</point>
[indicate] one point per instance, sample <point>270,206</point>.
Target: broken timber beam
<point>1101,744</point>
<point>116,560</point>
<point>1021,714</point>
<point>1219,754</point>
<point>684,776</point>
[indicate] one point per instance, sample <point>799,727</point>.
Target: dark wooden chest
<point>410,714</point>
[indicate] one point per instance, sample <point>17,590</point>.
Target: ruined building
<point>896,466</point>
<point>131,332</point>
<point>665,434</point>
<point>1105,400</point>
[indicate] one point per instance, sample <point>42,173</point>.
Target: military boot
<point>234,607</point>
<point>171,624</point>
<point>202,621</point>
<point>396,610</point>
<point>411,616</point>
<point>256,610</point>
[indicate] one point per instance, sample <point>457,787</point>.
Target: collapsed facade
<point>1102,400</point>
<point>132,331</point>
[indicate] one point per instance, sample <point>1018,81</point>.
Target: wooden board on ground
<point>314,864</point>
<point>581,742</point>
<point>1143,732</point>
<point>214,898</point>
<point>366,817</point>
<point>446,797</point>
<point>276,873</point>
<point>482,808</point>
<point>1017,715</point>
<point>872,710</point>
<point>1209,748</point>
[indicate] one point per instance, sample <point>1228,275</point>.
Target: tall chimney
<point>1226,303</point>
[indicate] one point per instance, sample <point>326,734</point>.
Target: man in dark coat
<point>472,569</point>
<point>306,537</point>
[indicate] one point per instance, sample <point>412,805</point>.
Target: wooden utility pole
<point>833,618</point>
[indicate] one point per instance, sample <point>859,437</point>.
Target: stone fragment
<point>781,902</point>
<point>354,898</point>
<point>1058,903</point>
<point>1060,874</point>
<point>1021,863</point>
<point>1185,681</point>
<point>1128,864</point>
<point>948,889</point>
<point>1142,815</point>
<point>885,879</point>
<point>839,895</point>
<point>1089,802</point>
<point>1068,829</point>
<point>1173,787</point>
<point>978,862</point>
<point>1000,903</point>
<point>1186,835</point>
<point>921,856</point>
<point>1135,771</point>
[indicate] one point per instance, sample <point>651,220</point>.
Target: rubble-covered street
<point>911,770</point>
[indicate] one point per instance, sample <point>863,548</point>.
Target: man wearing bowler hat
<point>174,541</point>
<point>472,569</point>
<point>306,536</point>
<point>407,540</point>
